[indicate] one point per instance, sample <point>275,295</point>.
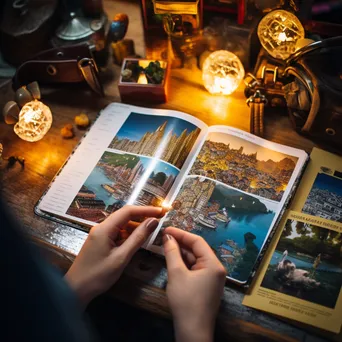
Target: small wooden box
<point>138,88</point>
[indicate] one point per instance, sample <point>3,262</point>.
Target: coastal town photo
<point>118,179</point>
<point>233,223</point>
<point>164,137</point>
<point>245,165</point>
<point>307,264</point>
<point>325,198</point>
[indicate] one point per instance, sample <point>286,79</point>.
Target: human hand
<point>105,254</point>
<point>195,284</point>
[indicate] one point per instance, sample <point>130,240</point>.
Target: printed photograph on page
<point>307,264</point>
<point>234,224</point>
<point>325,197</point>
<point>245,165</point>
<point>122,178</point>
<point>164,137</point>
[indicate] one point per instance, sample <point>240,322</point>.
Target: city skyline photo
<point>168,138</point>
<point>119,179</point>
<point>245,166</point>
<point>325,198</point>
<point>263,153</point>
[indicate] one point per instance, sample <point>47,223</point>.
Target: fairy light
<point>279,32</point>
<point>34,121</point>
<point>222,72</point>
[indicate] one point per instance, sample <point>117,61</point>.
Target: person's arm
<point>103,256</point>
<point>196,280</point>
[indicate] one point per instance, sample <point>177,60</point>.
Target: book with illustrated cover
<point>224,184</point>
<point>301,276</point>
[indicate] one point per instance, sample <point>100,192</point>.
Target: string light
<point>34,121</point>
<point>279,32</point>
<point>222,72</point>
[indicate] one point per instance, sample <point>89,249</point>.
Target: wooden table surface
<point>144,281</point>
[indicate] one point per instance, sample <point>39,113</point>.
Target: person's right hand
<point>196,280</point>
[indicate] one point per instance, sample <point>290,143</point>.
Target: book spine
<point>276,225</point>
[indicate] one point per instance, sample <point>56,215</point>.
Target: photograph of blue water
<point>234,224</point>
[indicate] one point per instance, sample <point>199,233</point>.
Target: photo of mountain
<point>245,165</point>
<point>233,223</point>
<point>120,179</point>
<point>164,137</point>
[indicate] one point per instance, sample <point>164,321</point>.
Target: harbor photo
<point>245,165</point>
<point>325,198</point>
<point>120,179</point>
<point>164,137</point>
<point>307,264</point>
<point>233,223</point>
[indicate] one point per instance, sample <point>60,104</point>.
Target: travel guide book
<point>224,184</point>
<point>301,276</point>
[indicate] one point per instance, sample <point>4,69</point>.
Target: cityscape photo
<point>118,179</point>
<point>307,264</point>
<point>164,137</point>
<point>233,223</point>
<point>325,198</point>
<point>245,165</point>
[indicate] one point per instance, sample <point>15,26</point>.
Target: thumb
<point>173,256</point>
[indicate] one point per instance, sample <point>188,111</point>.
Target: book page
<point>233,194</point>
<point>131,155</point>
<point>310,241</point>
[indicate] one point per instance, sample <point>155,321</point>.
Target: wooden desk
<point>144,281</point>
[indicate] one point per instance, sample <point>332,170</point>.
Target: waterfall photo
<point>307,264</point>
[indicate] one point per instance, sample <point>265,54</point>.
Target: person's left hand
<point>104,255</point>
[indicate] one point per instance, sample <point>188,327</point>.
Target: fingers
<point>188,257</point>
<point>120,218</point>
<point>138,238</point>
<point>131,226</point>
<point>192,242</point>
<point>174,260</point>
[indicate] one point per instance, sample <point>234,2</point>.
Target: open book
<point>224,184</point>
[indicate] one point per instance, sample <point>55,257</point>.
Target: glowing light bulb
<point>34,121</point>
<point>279,32</point>
<point>282,37</point>
<point>29,116</point>
<point>222,72</point>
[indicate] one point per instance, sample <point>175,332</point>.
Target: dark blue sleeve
<point>39,305</point>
